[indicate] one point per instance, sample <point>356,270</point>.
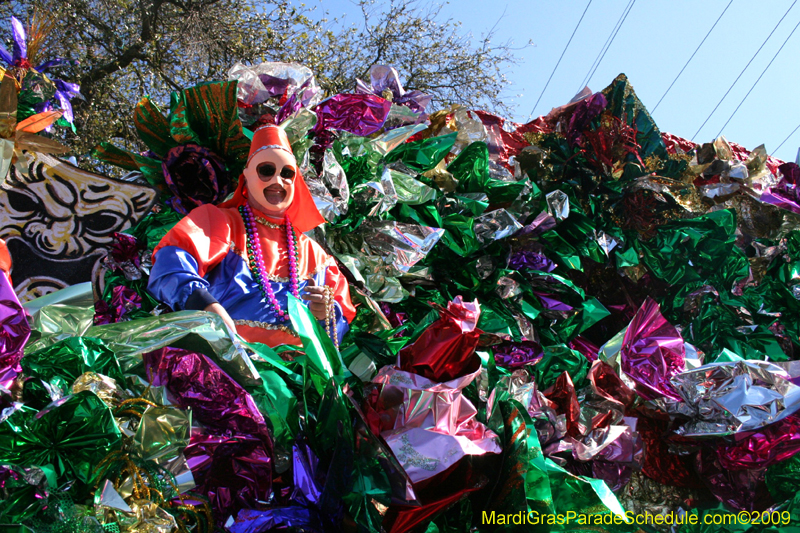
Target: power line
<point>759,78</point>
<point>692,57</point>
<point>612,42</point>
<point>786,139</point>
<point>742,72</point>
<point>605,44</point>
<point>560,58</point>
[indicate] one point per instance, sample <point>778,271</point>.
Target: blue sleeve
<point>174,278</point>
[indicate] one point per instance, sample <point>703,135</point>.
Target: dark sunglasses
<point>267,170</point>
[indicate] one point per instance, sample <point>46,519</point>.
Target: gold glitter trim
<point>266,325</point>
<point>264,222</point>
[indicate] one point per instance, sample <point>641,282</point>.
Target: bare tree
<point>126,49</point>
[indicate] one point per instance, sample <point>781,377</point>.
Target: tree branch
<point>126,58</point>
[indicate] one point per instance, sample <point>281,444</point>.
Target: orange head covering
<point>303,212</point>
<point>5,257</point>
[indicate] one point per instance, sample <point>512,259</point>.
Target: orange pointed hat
<point>303,212</point>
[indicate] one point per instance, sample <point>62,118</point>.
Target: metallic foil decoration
<point>405,244</point>
<point>558,205</point>
<point>360,114</point>
<point>193,329</point>
<point>22,491</point>
<point>146,517</point>
<point>296,128</point>
<point>381,195</point>
<point>652,352</point>
<point>733,397</point>
<point>162,434</point>
<point>409,190</point>
<point>388,141</point>
<point>772,444</point>
<point>196,382</point>
<point>280,88</point>
<point>107,496</point>
<point>446,349</point>
<point>434,425</point>
<point>234,472</point>
<point>495,225</point>
<point>469,129</point>
<point>384,81</point>
<point>15,328</point>
<point>72,434</point>
<point>330,189</point>
<point>104,387</point>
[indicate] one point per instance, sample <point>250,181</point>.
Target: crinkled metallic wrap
<point>406,244</point>
<point>163,433</point>
<point>191,330</point>
<point>435,425</point>
<point>252,88</point>
<point>733,397</point>
<point>495,225</point>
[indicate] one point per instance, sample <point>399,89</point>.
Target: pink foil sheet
<point>585,347</point>
<point>776,442</point>
<point>14,332</point>
<point>360,114</point>
<point>428,425</point>
<point>652,352</point>
<point>740,489</point>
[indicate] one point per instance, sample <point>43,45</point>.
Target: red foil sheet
<point>446,350</point>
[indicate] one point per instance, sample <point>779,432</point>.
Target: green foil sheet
<point>71,436</point>
<point>423,155</point>
<point>70,358</point>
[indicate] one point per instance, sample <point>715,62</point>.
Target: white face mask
<point>270,176</point>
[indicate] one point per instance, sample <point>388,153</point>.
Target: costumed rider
<point>242,258</point>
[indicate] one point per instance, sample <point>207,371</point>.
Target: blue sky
<point>652,46</point>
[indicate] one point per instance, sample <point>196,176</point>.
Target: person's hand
<point>217,308</point>
<point>316,296</point>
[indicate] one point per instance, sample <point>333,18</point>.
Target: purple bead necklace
<point>256,259</point>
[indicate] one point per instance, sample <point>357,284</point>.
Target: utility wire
<point>786,139</point>
<point>612,42</point>
<point>692,57</point>
<point>742,72</point>
<point>560,58</point>
<point>759,78</point>
<point>605,44</point>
